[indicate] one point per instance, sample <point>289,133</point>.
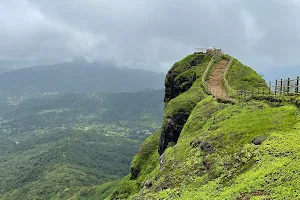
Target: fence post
<point>288,85</point>
<point>297,84</point>
<point>276,87</point>
<point>281,86</point>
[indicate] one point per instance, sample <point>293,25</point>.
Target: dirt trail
<point>215,80</point>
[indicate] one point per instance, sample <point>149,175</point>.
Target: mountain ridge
<point>4,69</point>
<point>79,77</point>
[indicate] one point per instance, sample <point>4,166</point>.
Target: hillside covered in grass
<point>207,149</point>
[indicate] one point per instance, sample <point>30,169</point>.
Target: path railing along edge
<point>228,89</point>
<point>233,93</point>
<point>206,85</point>
<point>246,94</point>
<point>237,94</point>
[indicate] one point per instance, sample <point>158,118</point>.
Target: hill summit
<point>213,145</point>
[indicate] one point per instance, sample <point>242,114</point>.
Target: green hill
<point>207,149</point>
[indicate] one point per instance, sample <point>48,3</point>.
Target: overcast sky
<point>152,34</point>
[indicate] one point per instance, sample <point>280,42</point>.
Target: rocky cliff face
<point>171,130</point>
<point>179,79</point>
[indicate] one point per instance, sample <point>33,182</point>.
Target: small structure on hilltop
<point>209,50</point>
<point>200,50</point>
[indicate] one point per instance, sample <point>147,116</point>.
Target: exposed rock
<point>260,107</point>
<point>206,163</point>
<point>171,144</point>
<point>148,184</point>
<point>197,60</point>
<point>207,147</point>
<point>171,130</point>
<point>162,161</point>
<point>249,195</point>
<point>166,184</point>
<point>258,140</point>
<point>187,85</point>
<point>174,88</point>
<point>195,143</point>
<point>134,172</point>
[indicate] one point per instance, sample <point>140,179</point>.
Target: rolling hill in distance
<point>79,77</point>
<point>4,69</point>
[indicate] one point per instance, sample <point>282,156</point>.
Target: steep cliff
<point>207,149</point>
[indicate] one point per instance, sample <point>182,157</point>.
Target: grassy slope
<point>230,130</point>
<point>241,77</point>
<point>187,100</point>
<point>232,167</point>
<point>93,193</point>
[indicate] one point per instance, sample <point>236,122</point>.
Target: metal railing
<point>279,87</point>
<point>200,50</point>
<point>229,90</point>
<point>240,94</point>
<point>204,76</point>
<point>208,50</point>
<point>285,87</point>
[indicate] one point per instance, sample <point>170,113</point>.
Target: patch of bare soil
<point>215,80</point>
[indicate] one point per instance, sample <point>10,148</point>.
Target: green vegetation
<point>241,77</point>
<point>143,165</point>
<point>279,99</point>
<point>246,150</point>
<point>95,192</point>
<point>73,146</point>
<point>182,103</point>
<point>62,146</point>
<point>183,74</point>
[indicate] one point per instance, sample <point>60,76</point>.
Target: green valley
<point>54,145</point>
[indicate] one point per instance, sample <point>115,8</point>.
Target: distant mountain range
<point>15,64</point>
<point>4,69</point>
<point>79,77</point>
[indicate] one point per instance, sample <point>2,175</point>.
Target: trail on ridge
<point>215,80</point>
